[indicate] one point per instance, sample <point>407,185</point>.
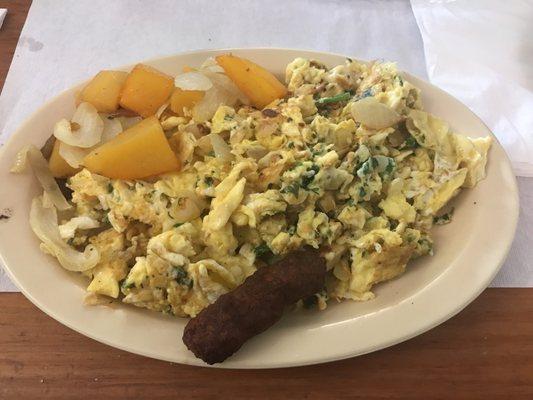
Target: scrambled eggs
<point>366,190</point>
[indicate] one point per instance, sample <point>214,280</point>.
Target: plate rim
<point>423,327</point>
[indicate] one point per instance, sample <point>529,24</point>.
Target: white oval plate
<point>468,253</point>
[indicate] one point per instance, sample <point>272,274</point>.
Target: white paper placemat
<point>64,42</point>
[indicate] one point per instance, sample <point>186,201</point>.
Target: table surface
<point>484,352</point>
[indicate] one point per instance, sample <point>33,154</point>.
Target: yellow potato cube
<point>184,98</point>
<point>138,152</point>
<point>258,84</point>
<point>57,164</point>
<point>146,89</point>
<point>103,91</point>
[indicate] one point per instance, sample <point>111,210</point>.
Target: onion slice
<point>112,127</point>
<point>211,65</point>
<point>73,155</point>
<point>220,147</point>
<point>161,110</point>
<point>44,176</point>
<point>223,82</point>
<point>128,122</point>
<point>68,229</point>
<point>193,81</point>
<point>85,130</point>
<point>21,161</point>
<point>43,222</point>
<point>373,114</point>
<point>206,108</point>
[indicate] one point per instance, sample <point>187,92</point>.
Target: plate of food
<point>254,208</point>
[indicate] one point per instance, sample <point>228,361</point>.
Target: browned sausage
<point>224,326</point>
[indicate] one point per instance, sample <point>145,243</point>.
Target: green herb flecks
<point>444,218</point>
<point>208,180</point>
<point>399,80</point>
<point>411,143</point>
<point>389,169</point>
<point>310,302</point>
<point>182,277</point>
<point>261,250</point>
<point>292,188</point>
<point>343,97</point>
<point>109,188</point>
<point>383,165</point>
<point>264,253</point>
<point>125,285</point>
<point>425,246</point>
<point>309,176</point>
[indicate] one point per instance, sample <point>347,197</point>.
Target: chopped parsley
<point>182,277</point>
<point>309,176</point>
<point>399,79</point>
<point>425,246</point>
<point>208,180</point>
<point>444,218</point>
<point>127,286</point>
<point>264,253</point>
<point>292,188</point>
<point>109,188</point>
<point>389,168</point>
<point>228,118</point>
<point>383,165</point>
<point>178,224</point>
<point>411,142</point>
<point>362,192</point>
<point>365,168</point>
<point>261,250</point>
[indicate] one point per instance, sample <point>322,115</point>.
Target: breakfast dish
<point>167,193</point>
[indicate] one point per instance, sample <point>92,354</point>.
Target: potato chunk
<point>103,91</point>
<point>138,152</point>
<point>145,90</point>
<point>258,84</point>
<point>184,99</point>
<point>57,164</point>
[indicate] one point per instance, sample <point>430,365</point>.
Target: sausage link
<point>223,327</point>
